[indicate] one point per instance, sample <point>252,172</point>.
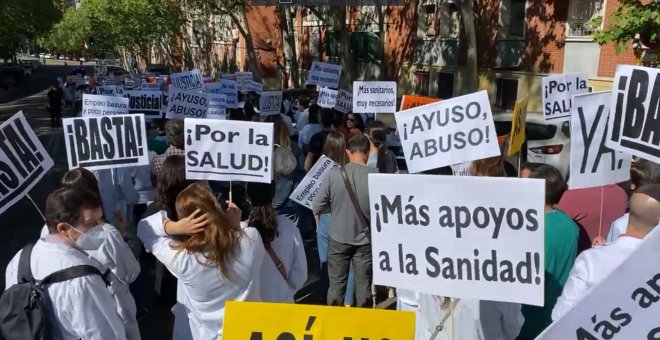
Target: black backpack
<point>25,310</point>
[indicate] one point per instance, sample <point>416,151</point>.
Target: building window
<point>422,83</point>
<point>584,17</point>
<point>512,19</point>
<point>365,46</point>
<point>332,44</point>
<point>445,85</point>
<point>506,93</point>
<point>450,21</point>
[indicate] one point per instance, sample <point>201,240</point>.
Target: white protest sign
<point>592,163</point>
<point>635,118</point>
<point>95,105</point>
<point>557,93</point>
<point>23,160</point>
<point>191,80</point>
<point>109,90</point>
<point>255,86</point>
<point>106,142</point>
<point>270,103</point>
<point>226,150</point>
<point>622,307</point>
<point>461,169</point>
<point>324,75</point>
<point>243,79</point>
<point>327,98</point>
<point>374,96</point>
<point>448,132</point>
<point>485,241</point>
<point>150,103</point>
<point>181,104</point>
<point>227,87</point>
<point>229,76</point>
<point>217,106</point>
<point>152,87</point>
<point>344,101</point>
<point>306,191</point>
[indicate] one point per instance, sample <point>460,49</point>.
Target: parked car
<point>158,70</point>
<point>48,56</point>
<point>62,57</point>
<point>13,71</point>
<point>42,55</point>
<point>83,59</point>
<point>33,65</point>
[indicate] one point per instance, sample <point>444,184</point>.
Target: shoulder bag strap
<point>72,273</point>
<point>441,324</point>
<point>366,228</point>
<point>24,266</point>
<point>277,261</point>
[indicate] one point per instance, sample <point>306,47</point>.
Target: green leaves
<point>24,19</point>
<point>631,19</point>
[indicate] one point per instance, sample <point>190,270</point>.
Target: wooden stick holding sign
<point>36,207</point>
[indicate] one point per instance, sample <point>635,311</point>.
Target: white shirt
<point>618,228</point>
<point>289,125</point>
<point>307,133</point>
<point>302,119</point>
<point>83,308</point>
<point>117,191</point>
<point>591,268</point>
<point>202,289</point>
<point>289,248</point>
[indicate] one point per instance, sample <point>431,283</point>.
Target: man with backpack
<point>55,291</point>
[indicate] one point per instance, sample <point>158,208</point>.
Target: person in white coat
<point>594,265</point>
<point>214,259</point>
<point>284,270</point>
<point>83,307</point>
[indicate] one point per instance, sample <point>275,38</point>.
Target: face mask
<point>92,239</point>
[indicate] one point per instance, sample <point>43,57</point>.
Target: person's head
<point>174,131</point>
<point>528,168</point>
<point>554,183</point>
<point>71,212</point>
<point>55,84</point>
<point>643,172</point>
<point>171,181</point>
<point>644,210</point>
<point>81,178</point>
<point>219,240</point>
<point>263,216</point>
<point>327,117</point>
<point>488,167</point>
<point>280,131</point>
<point>377,134</point>
<point>302,103</point>
<point>354,121</point>
<point>358,149</point>
<point>314,114</point>
<point>339,119</point>
<point>335,147</point>
<point>152,129</point>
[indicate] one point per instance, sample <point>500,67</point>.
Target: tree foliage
<point>631,19</point>
<point>24,20</point>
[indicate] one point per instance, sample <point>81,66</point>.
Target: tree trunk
<point>381,40</point>
<point>243,27</point>
<point>347,65</point>
<point>289,44</point>
<point>471,77</point>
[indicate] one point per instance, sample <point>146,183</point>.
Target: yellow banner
<point>272,321</point>
<point>408,102</point>
<point>518,126</point>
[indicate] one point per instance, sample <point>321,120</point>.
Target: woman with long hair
<point>286,270</point>
<point>488,167</point>
<point>379,156</point>
<point>214,259</point>
<point>355,124</point>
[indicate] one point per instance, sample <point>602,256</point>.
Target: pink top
<point>584,206</point>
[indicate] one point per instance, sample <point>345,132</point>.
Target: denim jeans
<point>322,236</point>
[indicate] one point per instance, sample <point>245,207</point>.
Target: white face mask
<point>92,239</point>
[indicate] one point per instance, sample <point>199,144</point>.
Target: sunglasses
<point>352,120</point>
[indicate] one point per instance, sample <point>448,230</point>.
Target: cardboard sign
<point>106,142</point>
<point>449,132</point>
<point>152,87</point>
<point>344,101</point>
<point>227,87</point>
<point>558,92</point>
<point>374,96</point>
<point>225,150</point>
<point>186,104</point>
<point>592,163</point>
<point>409,102</point>
<point>270,103</point>
<point>518,125</point>
<point>461,169</point>
<point>243,79</point>
<point>94,105</point>
<point>255,86</point>
<point>324,75</point>
<point>306,191</point>
<point>485,241</point>
<point>217,106</point>
<point>327,98</point>
<point>150,103</point>
<point>23,160</point>
<point>623,306</point>
<point>229,76</point>
<point>110,90</point>
<point>258,320</point>
<point>635,121</point>
<point>191,80</point>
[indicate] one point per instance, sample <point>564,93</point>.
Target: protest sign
<point>461,169</point>
<point>635,121</point>
<point>374,96</point>
<point>229,76</point>
<point>265,321</point>
<point>558,92</point>
<point>95,105</point>
<point>23,160</point>
<point>448,132</point>
<point>270,103</point>
<point>624,306</point>
<point>150,103</point>
<point>217,106</point>
<point>592,163</point>
<point>191,80</point>
<point>106,142</point>
<point>306,191</point>
<point>518,126</point>
<point>409,102</point>
<point>152,87</point>
<point>255,86</point>
<point>243,79</point>
<point>324,75</point>
<point>186,104</point>
<point>327,98</point>
<point>110,90</point>
<point>483,241</point>
<point>344,101</point>
<point>226,150</point>
<point>227,87</point>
